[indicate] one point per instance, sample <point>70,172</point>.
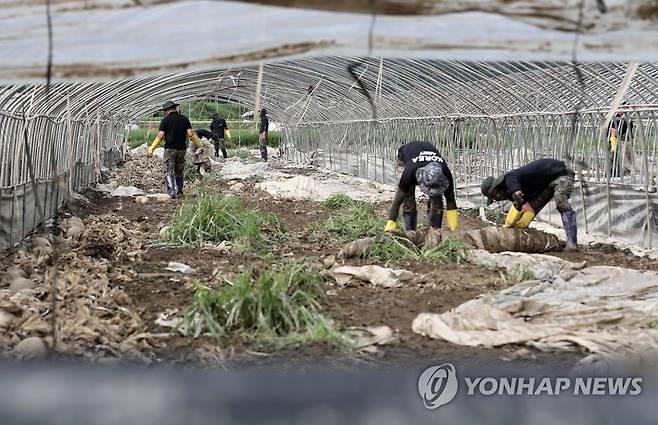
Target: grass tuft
<point>281,305</point>
<point>517,273</point>
<point>212,218</point>
<point>450,251</point>
<point>356,220</point>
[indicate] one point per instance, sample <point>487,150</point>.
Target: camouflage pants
<point>559,189</point>
<point>263,147</point>
<point>434,204</point>
<point>220,146</point>
<point>174,162</point>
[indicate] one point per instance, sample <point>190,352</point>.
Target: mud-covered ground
<point>152,290</point>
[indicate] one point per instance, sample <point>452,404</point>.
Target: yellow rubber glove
<point>613,143</point>
<point>451,218</point>
<point>195,139</point>
<point>228,134</point>
<point>154,146</point>
<point>390,225</point>
<point>525,220</point>
<point>513,215</point>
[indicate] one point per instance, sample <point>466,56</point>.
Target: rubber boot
<point>570,228</point>
<point>263,154</point>
<point>435,219</point>
<point>224,153</point>
<point>180,182</point>
<point>171,186</point>
<point>410,220</point>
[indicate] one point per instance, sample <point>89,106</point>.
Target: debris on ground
<point>126,191</point>
<point>377,275</point>
<point>367,339</point>
<point>174,266</point>
<point>602,309</point>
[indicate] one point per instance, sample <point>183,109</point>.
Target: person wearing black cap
<point>423,167</point>
<point>263,130</point>
<point>174,129</point>
<point>530,188</point>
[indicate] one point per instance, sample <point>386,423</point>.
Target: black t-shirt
<point>533,178</point>
<point>624,127</point>
<point>175,127</point>
<point>416,155</point>
<point>218,126</point>
<point>264,124</point>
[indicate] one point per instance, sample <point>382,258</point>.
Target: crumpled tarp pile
<point>602,309</point>
<point>94,318</point>
<point>377,275</point>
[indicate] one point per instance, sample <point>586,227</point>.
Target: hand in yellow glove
<point>195,139</point>
<point>453,221</point>
<point>613,143</point>
<point>390,226</point>
<point>154,146</point>
<point>228,134</point>
<point>513,215</point>
<point>525,220</point>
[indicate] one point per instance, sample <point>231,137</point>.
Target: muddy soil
<point>438,288</point>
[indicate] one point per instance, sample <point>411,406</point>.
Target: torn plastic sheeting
<point>378,276</point>
<point>603,309</point>
<point>305,187</point>
<point>237,170</point>
<point>174,266</point>
<point>126,191</point>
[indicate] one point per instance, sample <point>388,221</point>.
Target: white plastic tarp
<point>605,310</point>
<point>107,39</point>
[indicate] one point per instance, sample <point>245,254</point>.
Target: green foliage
<point>201,110</point>
<point>243,154</point>
<point>281,303</point>
<point>190,172</point>
<point>338,200</point>
<point>211,218</point>
<point>139,136</point>
<point>653,324</point>
<point>393,247</point>
<point>517,274</point>
<point>250,137</point>
<point>357,220</point>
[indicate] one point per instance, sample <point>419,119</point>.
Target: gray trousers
<point>434,204</point>
<point>560,190</point>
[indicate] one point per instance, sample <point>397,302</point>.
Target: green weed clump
<point>243,154</point>
<point>278,304</point>
<point>392,248</point>
<point>517,273</point>
<point>213,218</point>
<point>357,219</point>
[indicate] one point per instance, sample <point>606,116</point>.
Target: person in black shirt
<point>620,130</point>
<point>530,188</point>
<point>174,129</point>
<point>263,130</point>
<point>423,167</point>
<point>219,127</point>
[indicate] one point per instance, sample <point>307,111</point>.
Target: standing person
<point>423,167</point>
<point>620,129</point>
<point>263,130</point>
<point>530,188</point>
<point>218,127</point>
<point>174,129</point>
